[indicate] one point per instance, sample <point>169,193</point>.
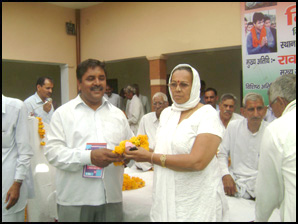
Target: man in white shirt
<point>89,118</point>
<point>210,97</point>
<point>113,98</point>
<point>40,104</point>
<point>242,143</point>
<point>17,182</point>
<point>226,109</point>
<point>134,108</point>
<point>149,124</point>
<point>144,99</point>
<point>276,180</point>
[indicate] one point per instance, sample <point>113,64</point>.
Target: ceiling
<point>75,5</point>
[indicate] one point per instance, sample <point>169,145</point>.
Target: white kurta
<point>276,181</point>
<point>187,196</point>
<point>148,126</point>
<point>35,104</point>
<point>73,125</point>
<point>114,99</point>
<point>134,113</point>
<point>16,152</point>
<point>244,148</point>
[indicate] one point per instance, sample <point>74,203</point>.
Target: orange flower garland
<point>130,183</point>
<point>139,141</point>
<point>41,131</point>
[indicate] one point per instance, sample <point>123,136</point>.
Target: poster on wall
<point>268,44</point>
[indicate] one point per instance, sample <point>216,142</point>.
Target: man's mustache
<point>228,111</point>
<point>96,88</point>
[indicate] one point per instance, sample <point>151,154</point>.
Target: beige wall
<point>35,32</point>
<point>113,31</point>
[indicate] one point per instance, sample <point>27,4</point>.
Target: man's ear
<point>78,85</point>
<point>282,101</point>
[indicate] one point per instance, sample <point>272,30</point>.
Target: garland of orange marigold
<point>41,131</point>
<point>130,183</point>
<point>139,141</point>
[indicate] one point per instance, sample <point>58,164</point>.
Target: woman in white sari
<point>187,184</point>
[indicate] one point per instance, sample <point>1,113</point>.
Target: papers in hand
<point>91,171</point>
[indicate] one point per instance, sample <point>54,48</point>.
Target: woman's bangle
<point>152,158</point>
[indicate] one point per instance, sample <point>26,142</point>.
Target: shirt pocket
<point>7,139</point>
<point>113,133</point>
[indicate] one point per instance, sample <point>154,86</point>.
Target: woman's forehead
<point>182,75</point>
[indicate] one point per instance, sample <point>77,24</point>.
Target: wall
<point>220,69</point>
<point>123,30</point>
<point>129,72</point>
<point>19,79</point>
<point>119,33</point>
<point>35,32</point>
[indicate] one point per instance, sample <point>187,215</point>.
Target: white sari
<point>187,196</point>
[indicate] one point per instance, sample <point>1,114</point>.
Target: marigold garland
<point>130,183</point>
<point>139,141</point>
<point>41,131</point>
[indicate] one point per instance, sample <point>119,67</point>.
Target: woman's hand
<point>140,155</point>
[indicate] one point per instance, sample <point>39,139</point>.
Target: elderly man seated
<point>149,124</point>
<point>242,143</point>
<point>227,108</point>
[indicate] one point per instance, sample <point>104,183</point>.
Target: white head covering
<point>194,94</point>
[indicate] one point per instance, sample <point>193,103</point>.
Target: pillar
<point>158,75</point>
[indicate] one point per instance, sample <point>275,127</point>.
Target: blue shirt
<point>258,49</point>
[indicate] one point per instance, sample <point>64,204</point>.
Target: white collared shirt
<point>148,126</point>
<point>114,99</point>
<point>35,104</point>
<point>234,117</point>
<point>73,125</point>
<point>244,148</point>
<point>134,113</point>
<point>16,152</point>
<point>276,181</point>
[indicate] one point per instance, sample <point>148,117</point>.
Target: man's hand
<point>13,195</point>
<point>264,41</point>
<point>103,157</point>
<point>47,106</point>
<point>229,185</point>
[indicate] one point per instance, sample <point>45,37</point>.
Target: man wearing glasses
<point>242,143</point>
<point>277,166</point>
<point>149,123</point>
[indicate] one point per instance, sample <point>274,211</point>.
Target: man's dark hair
<point>258,16</point>
<point>89,63</point>
<point>203,83</point>
<point>250,23</point>
<point>40,81</point>
<point>211,89</point>
<point>266,18</point>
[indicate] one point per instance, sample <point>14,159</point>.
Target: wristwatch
<point>18,180</point>
<point>163,160</point>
